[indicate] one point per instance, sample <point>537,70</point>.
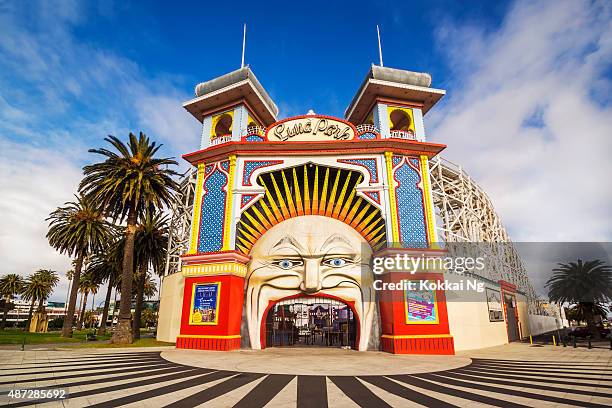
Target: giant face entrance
<point>311,321</point>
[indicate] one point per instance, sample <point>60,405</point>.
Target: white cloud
<point>33,182</point>
<point>59,96</point>
<point>530,117</point>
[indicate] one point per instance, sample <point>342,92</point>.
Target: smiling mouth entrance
<point>311,322</point>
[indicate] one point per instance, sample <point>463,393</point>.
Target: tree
<point>106,265</point>
<point>126,185</point>
<point>78,229</point>
<point>151,248</point>
<point>88,284</point>
<point>69,275</point>
<point>148,317</point>
<point>89,319</point>
<point>588,285</point>
<point>39,286</point>
<point>150,287</point>
<point>10,285</point>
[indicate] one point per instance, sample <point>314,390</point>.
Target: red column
<point>404,334</point>
<point>208,324</point>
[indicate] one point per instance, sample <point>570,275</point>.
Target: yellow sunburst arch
<point>310,189</point>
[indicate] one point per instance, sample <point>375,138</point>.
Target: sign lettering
<point>310,128</point>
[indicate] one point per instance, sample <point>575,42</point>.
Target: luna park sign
<point>310,128</point>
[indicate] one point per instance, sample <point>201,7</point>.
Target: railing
<point>402,134</point>
<point>220,140</point>
<point>366,128</point>
<point>254,130</point>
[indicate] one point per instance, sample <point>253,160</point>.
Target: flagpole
<point>379,47</point>
<point>243,45</point>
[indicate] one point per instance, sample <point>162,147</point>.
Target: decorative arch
<point>212,207</point>
<point>310,189</point>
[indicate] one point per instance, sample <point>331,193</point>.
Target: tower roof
<point>395,84</point>
<point>232,87</point>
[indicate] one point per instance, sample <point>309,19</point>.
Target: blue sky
<point>306,57</point>
<point>527,112</point>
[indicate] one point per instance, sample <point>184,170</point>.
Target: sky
<point>527,113</point>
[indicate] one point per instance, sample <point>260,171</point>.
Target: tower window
<point>222,124</point>
<point>400,120</point>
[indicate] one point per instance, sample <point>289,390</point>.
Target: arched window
<point>400,120</point>
<point>223,125</point>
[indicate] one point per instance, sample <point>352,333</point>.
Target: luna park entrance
<point>311,321</point>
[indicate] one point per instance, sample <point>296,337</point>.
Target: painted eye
<point>335,262</point>
<point>288,263</point>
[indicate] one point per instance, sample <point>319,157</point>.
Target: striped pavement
<point>145,379</point>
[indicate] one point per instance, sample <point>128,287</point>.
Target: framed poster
<point>205,303</point>
<point>494,304</point>
<point>421,307</point>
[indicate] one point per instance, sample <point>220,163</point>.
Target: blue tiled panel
<point>410,207</point>
<point>225,165</point>
<point>369,164</point>
<point>245,199</point>
<point>254,138</point>
<point>212,215</point>
<point>251,166</point>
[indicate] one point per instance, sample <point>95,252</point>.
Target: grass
<point>15,336</point>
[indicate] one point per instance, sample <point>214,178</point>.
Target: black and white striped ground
<point>145,379</point>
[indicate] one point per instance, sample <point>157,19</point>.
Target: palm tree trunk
<point>27,326</point>
<point>123,331</point>
<point>590,321</point>
<point>67,295</point>
<point>102,328</point>
<point>5,312</point>
<point>82,314</point>
<point>74,289</point>
<point>139,298</point>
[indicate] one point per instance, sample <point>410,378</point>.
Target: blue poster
<point>205,303</point>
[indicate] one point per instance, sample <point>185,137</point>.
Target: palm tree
<point>87,285</point>
<point>148,317</point>
<point>10,285</point>
<point>126,185</point>
<point>39,286</point>
<point>151,248</point>
<point>77,229</point>
<point>150,287</point>
<point>69,276</point>
<point>107,267</point>
<point>588,285</point>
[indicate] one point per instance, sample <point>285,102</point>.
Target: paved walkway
<point>514,375</point>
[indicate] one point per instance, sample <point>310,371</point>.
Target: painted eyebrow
<point>335,238</point>
<point>291,241</point>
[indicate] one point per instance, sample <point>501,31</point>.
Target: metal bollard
<point>574,341</point>
<point>564,339</point>
<point>554,341</point>
<point>530,340</point>
<point>589,340</point>
<point>610,342</point>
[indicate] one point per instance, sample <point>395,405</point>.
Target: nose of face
<point>312,276</point>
